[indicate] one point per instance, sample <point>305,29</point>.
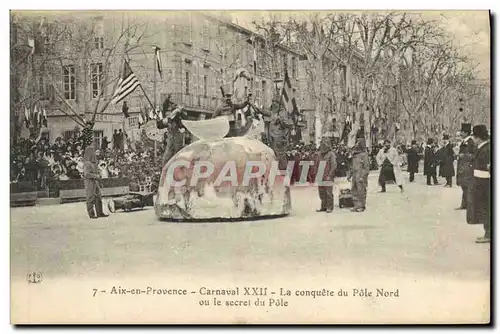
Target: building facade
<point>199,52</point>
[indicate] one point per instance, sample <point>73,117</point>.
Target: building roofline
<point>247,31</point>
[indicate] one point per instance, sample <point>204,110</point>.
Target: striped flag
<point>287,94</point>
<point>347,129</point>
<point>158,60</point>
<point>151,114</point>
<point>27,117</point>
<point>254,54</point>
<point>44,119</point>
<point>348,78</point>
<point>35,116</point>
<point>141,119</point>
<point>31,43</point>
<point>127,84</point>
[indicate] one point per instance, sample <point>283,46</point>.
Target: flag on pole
<point>151,114</point>
<point>31,43</point>
<point>348,81</point>
<point>35,116</point>
<point>27,117</point>
<point>254,51</point>
<point>45,120</point>
<point>287,94</point>
<point>158,60</point>
<point>141,119</point>
<point>347,129</point>
<point>127,84</point>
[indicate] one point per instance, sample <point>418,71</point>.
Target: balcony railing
<point>203,103</point>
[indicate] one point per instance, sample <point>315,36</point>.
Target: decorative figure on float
<point>222,143</point>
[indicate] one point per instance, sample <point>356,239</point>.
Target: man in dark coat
<point>430,162</point>
<point>464,164</point>
<point>412,158</point>
<point>279,131</point>
<point>328,158</point>
<point>446,158</point>
<point>174,137</point>
<point>479,210</point>
<point>92,189</point>
<point>360,168</point>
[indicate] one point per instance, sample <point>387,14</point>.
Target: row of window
<point>69,82</point>
<point>260,90</point>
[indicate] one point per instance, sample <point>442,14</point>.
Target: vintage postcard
<point>244,167</point>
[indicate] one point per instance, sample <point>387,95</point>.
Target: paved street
<point>417,231</point>
<point>414,235</point>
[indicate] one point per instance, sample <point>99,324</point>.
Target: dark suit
<point>479,210</point>
<point>430,163</point>
<point>412,157</point>
<point>464,168</point>
<point>326,192</point>
<point>446,168</point>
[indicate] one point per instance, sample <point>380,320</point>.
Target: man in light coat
<point>91,176</point>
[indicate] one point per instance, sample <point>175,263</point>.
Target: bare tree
<point>76,63</point>
<point>315,34</point>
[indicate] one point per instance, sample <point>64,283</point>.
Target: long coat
<point>464,164</point>
<point>91,174</point>
<point>446,158</point>
<point>412,158</point>
<point>393,156</point>
<point>430,161</point>
<point>479,210</point>
<point>327,159</point>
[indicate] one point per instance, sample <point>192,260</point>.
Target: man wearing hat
<point>229,109</point>
<point>464,164</point>
<point>327,158</point>
<point>446,157</point>
<point>478,212</point>
<point>174,137</point>
<point>413,157</point>
<point>430,162</point>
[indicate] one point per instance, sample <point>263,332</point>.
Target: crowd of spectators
<point>41,164</point>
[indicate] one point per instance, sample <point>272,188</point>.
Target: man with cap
<point>360,169</point>
<point>464,164</point>
<point>430,162</point>
<point>327,158</point>
<point>446,157</point>
<point>479,210</point>
<point>174,137</point>
<point>412,158</point>
<point>91,176</point>
<point>279,130</point>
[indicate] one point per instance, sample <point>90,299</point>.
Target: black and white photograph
<point>250,167</point>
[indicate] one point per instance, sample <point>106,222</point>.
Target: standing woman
<point>92,190</point>
<point>388,160</point>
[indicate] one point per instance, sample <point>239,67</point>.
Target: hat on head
<point>466,127</point>
<point>446,137</point>
<point>480,131</point>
